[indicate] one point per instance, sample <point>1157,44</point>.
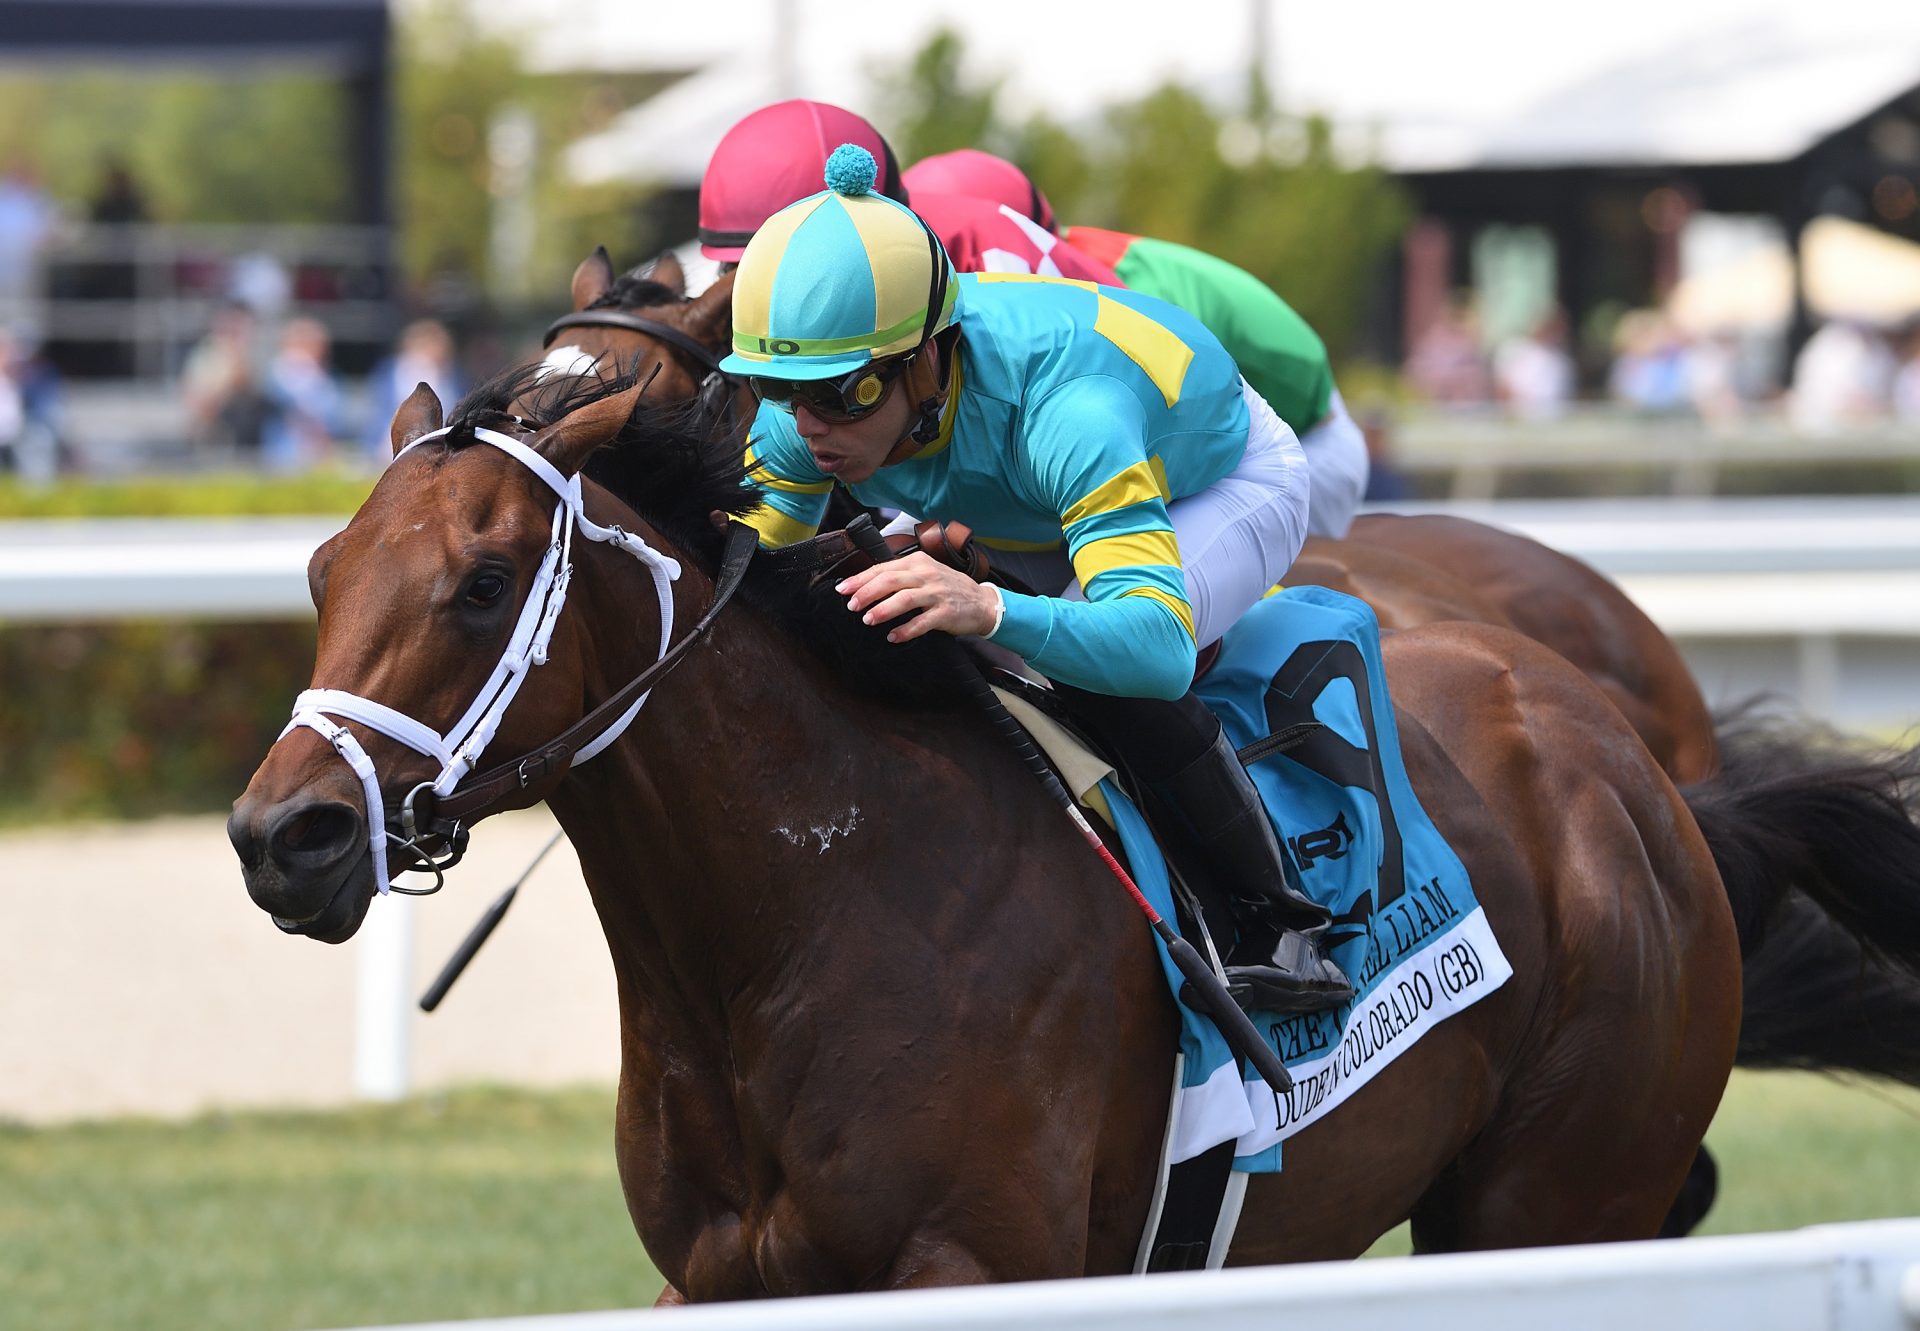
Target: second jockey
<point>1280,354</point>
<point>1105,433</point>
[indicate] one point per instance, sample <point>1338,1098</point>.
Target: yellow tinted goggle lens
<point>833,400</point>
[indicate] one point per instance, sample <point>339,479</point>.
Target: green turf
<point>478,1203</point>
<point>491,1202</point>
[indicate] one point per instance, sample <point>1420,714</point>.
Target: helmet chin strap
<point>927,379</point>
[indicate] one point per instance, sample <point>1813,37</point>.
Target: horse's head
<point>643,321</point>
<point>433,604</point>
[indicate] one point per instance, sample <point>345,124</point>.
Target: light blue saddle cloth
<point>1407,929</point>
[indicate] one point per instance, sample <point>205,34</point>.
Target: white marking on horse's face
<point>566,360</point>
<point>839,826</point>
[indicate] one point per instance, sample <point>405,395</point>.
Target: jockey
<point>1104,433</point>
<point>774,157</point>
<point>1281,356</point>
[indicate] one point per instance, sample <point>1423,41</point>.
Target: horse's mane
<point>631,291</point>
<point>674,470</point>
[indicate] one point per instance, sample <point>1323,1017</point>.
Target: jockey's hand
<point>946,598</point>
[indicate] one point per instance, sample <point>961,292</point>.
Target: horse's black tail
<point>1816,1000</point>
<point>1819,848</point>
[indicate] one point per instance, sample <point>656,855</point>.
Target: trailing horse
<point>884,1021</point>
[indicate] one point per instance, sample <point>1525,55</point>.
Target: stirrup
<point>1292,974</point>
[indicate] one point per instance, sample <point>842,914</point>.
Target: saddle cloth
<point>1407,928</point>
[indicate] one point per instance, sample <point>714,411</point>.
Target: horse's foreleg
<point>670,1298</point>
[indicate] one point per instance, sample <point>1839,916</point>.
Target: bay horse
<point>1411,569</point>
<point>885,1022</point>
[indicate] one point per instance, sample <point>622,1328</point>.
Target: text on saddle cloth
<point>1407,928</point>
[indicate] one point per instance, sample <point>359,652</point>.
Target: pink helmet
<point>773,158</point>
<point>982,176</point>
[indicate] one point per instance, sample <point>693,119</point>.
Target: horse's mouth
<point>339,919</point>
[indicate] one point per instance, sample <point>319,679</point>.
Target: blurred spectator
<point>1650,364</point>
<point>305,399</point>
<point>1533,375</point>
<point>261,283</point>
<point>27,219</point>
<point>120,200</point>
<point>226,408</point>
<point>1385,481</point>
<point>1445,364</point>
<point>38,451</point>
<point>13,408</point>
<point>423,356</point>
<point>1906,383</point>
<point>1843,376</point>
<point>1712,368</point>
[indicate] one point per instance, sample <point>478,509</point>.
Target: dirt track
<point>136,977</point>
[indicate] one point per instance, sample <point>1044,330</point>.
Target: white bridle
<point>459,750</point>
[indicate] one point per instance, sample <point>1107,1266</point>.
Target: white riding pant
<point>1337,456</point>
<point>1237,537</point>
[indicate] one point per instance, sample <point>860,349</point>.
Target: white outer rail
<point>1854,565</point>
<point>1853,1277</point>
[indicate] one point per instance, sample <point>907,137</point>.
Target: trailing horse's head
<point>642,320</point>
<point>435,602</point>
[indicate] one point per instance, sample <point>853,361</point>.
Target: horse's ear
<point>418,415</point>
<point>710,316</point>
<point>666,270</point>
<point>592,278</point>
<point>567,442</point>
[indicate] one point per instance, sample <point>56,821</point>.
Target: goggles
<point>847,398</point>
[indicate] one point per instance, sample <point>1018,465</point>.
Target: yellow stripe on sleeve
<point>768,480</point>
<point>1130,550</point>
<point>1155,348</point>
<point>1180,608</point>
<point>1137,484</point>
<point>776,528</point>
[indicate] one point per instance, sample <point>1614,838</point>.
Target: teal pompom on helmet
<point>838,280</point>
<point>851,170</point>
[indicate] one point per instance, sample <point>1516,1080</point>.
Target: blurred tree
<point>931,106</point>
<point>201,149</point>
<point>1053,155</point>
<point>451,82</point>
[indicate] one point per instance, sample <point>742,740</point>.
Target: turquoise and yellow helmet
<point>838,280</point>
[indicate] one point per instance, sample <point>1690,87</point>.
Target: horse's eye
<point>486,589</point>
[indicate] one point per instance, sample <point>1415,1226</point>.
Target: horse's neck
<point>703,830</point>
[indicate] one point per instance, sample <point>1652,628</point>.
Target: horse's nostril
<point>317,832</point>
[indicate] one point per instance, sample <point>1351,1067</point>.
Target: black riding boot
<point>1183,757</point>
<point>1277,965</point>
